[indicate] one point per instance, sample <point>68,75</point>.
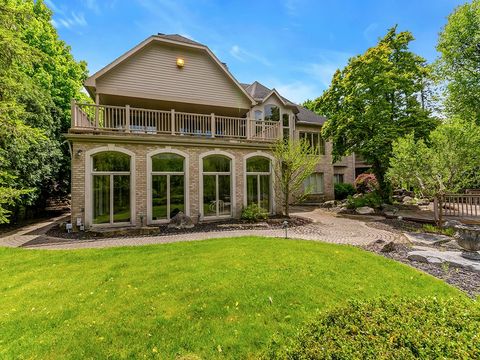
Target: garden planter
<point>468,237</point>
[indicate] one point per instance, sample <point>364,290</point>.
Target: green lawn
<point>209,298</point>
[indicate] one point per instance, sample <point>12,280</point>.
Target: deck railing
<point>459,205</point>
<point>127,119</point>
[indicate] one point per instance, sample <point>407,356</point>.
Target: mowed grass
<point>208,298</point>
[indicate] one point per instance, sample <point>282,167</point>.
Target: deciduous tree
<point>459,63</point>
<point>378,97</point>
<point>295,161</point>
<point>446,163</point>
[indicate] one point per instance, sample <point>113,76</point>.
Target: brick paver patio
<point>325,227</point>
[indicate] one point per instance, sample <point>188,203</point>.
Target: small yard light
<point>180,62</point>
<point>285,226</point>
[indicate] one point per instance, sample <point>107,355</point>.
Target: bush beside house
<point>389,329</point>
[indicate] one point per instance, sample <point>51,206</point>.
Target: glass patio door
<point>217,187</point>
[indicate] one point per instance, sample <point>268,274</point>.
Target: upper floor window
<point>258,115</point>
<point>315,140</point>
<point>272,113</point>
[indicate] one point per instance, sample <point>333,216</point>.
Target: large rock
<point>408,200</point>
<point>329,204</point>
<point>181,221</point>
<point>365,210</point>
<point>452,258</point>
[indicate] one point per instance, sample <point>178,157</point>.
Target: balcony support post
<point>212,126</point>
<point>248,125</point>
<point>97,103</point>
<point>127,118</point>
<point>74,114</point>
<point>172,121</point>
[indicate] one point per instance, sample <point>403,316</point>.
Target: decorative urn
<point>468,237</point>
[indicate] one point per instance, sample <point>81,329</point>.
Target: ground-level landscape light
<point>285,226</point>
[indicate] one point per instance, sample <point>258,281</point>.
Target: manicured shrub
<point>365,183</point>
<point>372,199</point>
<point>253,212</point>
<point>343,190</point>
<point>388,329</point>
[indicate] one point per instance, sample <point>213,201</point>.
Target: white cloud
<point>245,56</point>
<point>93,6</point>
<point>298,91</point>
<point>325,67</point>
<point>69,22</point>
<point>370,32</point>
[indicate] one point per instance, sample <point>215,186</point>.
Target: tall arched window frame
<point>259,182</point>
<point>168,190</point>
<point>217,183</point>
<point>111,188</point>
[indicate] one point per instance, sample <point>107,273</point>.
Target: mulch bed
<point>163,230</point>
<point>463,279</point>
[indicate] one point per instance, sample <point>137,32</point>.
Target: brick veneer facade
<point>140,147</point>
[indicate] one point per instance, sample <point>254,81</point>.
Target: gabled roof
<point>172,39</point>
<point>304,116</point>
<point>179,38</point>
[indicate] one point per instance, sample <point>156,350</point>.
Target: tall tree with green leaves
<point>446,163</point>
<point>38,77</point>
<point>379,96</point>
<point>459,64</point>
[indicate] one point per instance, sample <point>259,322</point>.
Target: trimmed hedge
<point>253,212</point>
<point>343,190</point>
<point>389,329</point>
<point>372,199</point>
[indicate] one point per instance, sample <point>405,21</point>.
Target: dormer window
<point>272,113</point>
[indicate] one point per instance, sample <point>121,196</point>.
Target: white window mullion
<point>111,198</point>
<point>168,196</point>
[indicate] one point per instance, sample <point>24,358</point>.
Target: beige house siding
<point>152,73</point>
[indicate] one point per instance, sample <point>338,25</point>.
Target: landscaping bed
<point>466,280</point>
<point>164,230</point>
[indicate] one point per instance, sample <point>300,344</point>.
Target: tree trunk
<point>384,186</point>
<point>287,200</point>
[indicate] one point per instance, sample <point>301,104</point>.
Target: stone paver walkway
<point>23,235</point>
<point>325,227</point>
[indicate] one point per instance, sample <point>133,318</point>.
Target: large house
<point>173,130</point>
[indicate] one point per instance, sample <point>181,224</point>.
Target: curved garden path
<point>326,226</point>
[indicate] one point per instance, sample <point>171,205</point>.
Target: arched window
<point>111,187</point>
<point>272,113</point>
<point>168,185</point>
<point>217,186</point>
<point>259,182</point>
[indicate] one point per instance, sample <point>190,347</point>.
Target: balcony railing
<point>126,119</point>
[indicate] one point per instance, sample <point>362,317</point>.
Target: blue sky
<point>292,45</point>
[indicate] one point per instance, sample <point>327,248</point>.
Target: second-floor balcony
<point>126,119</point>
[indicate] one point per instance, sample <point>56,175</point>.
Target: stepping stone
<point>426,238</point>
<point>453,258</point>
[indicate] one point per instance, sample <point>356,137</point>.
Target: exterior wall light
<point>180,62</point>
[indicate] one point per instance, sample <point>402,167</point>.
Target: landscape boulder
<point>365,210</point>
<point>181,221</point>
<point>329,204</point>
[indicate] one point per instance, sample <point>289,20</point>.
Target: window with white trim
<point>168,185</point>
<point>338,178</point>
<point>217,186</point>
<point>259,182</point>
<point>111,187</point>
<point>315,140</point>
<point>314,183</point>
